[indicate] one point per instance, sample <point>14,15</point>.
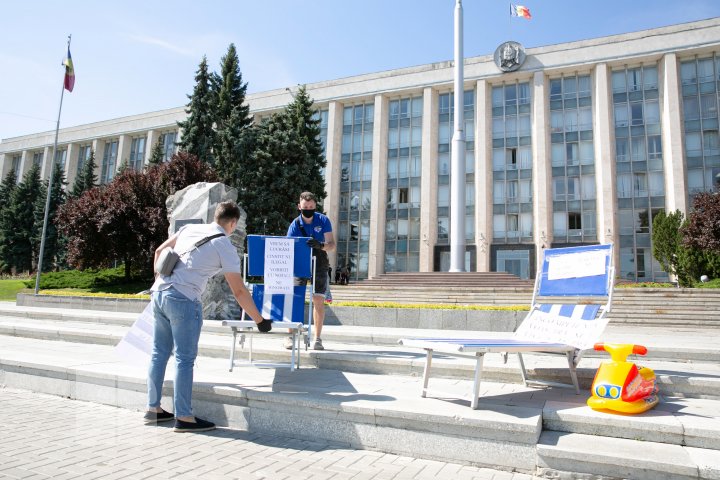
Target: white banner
<point>137,344</point>
<point>545,327</point>
<point>279,262</point>
<point>574,265</point>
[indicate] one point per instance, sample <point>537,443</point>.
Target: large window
<point>16,159</point>
<point>84,153</point>
<point>355,185</point>
<point>573,160</point>
<point>640,179</point>
<point>109,162</point>
<point>61,158</point>
<point>38,158</point>
<point>402,230</point>
<point>446,127</point>
<point>700,111</point>
<point>167,140</point>
<point>512,163</point>
<point>137,153</point>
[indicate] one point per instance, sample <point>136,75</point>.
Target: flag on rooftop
<point>520,11</point>
<point>69,72</point>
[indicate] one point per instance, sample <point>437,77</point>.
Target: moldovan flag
<point>69,73</point>
<point>516,11</point>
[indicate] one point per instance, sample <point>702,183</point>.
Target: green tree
<point>22,248</point>
<point>303,119</point>
<point>198,134</point>
<point>232,114</point>
<point>53,248</point>
<point>86,179</point>
<point>7,187</point>
<point>158,153</point>
<point>667,240</point>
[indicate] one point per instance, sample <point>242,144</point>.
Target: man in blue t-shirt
<point>317,226</point>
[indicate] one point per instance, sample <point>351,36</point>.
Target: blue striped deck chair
<point>568,313</point>
<point>286,310</point>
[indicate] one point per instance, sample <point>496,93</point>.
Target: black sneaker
<point>199,425</point>
<point>155,417</point>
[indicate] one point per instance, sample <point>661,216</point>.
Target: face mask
<point>309,213</point>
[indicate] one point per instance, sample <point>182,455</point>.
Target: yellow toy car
<point>620,385</point>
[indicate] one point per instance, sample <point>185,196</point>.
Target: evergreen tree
<point>53,243</point>
<point>232,115</point>
<point>667,240</point>
<point>302,118</point>
<point>21,247</point>
<point>86,179</point>
<point>198,134</point>
<point>158,154</point>
<point>6,190</point>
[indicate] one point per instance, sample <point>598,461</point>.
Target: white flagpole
<point>50,183</point>
<point>457,158</point>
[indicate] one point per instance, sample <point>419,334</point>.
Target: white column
<point>70,165</point>
<point>378,192</point>
<point>152,137</point>
<point>124,143</point>
<point>542,168</point>
<point>48,157</point>
<point>483,176</point>
<point>429,180</point>
<point>604,146</point>
<point>333,154</point>
<point>672,141</point>
<point>25,161</point>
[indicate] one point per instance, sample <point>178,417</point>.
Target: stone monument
<point>196,204</point>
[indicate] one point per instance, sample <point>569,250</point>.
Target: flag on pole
<point>520,11</point>
<point>69,72</point>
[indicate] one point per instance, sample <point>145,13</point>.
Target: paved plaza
<point>46,436</point>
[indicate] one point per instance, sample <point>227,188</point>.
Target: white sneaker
<point>288,343</point>
<point>318,345</point>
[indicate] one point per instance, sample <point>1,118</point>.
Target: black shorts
<point>322,263</point>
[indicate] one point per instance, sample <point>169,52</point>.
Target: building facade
<point>585,142</point>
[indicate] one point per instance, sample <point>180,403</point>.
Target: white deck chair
<point>552,326</point>
<point>287,311</point>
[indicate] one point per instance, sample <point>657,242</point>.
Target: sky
<point>138,56</point>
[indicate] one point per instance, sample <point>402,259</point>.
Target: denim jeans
<point>178,321</point>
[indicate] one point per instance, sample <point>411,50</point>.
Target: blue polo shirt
<point>317,229</point>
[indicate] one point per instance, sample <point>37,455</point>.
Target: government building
<point>569,144</point>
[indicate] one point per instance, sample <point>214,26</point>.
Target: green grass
<point>714,283</point>
<point>9,288</point>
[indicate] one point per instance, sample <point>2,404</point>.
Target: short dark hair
<point>226,212</point>
<point>308,196</point>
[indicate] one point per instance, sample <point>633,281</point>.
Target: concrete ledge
<point>439,319</point>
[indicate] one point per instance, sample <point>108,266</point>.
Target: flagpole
<point>50,183</point>
<point>457,157</point>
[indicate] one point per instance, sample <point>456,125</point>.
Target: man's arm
<point>242,295</point>
<point>329,242</point>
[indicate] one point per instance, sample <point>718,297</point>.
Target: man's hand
<point>264,326</point>
<point>315,244</point>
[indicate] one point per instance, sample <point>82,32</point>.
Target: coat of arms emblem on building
<point>509,56</point>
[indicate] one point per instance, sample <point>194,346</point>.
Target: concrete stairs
<point>364,391</point>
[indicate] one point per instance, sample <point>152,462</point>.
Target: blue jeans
<point>178,321</point>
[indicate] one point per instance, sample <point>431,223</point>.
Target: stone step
<point>575,455</point>
<point>511,429</point>
<point>361,411</point>
<point>692,371</point>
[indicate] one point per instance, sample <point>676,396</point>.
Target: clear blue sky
<point>135,56</point>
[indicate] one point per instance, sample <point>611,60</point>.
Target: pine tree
<point>6,189</point>
<point>158,153</point>
<point>51,254</point>
<point>86,179</point>
<point>22,249</point>
<point>198,134</point>
<point>232,115</point>
<point>302,118</point>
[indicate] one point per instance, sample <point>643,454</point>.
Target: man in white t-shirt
<point>178,311</point>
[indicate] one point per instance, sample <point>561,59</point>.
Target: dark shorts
<point>322,263</point>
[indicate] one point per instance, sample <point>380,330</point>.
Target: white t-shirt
<point>195,267</point>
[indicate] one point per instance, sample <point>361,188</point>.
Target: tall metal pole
<point>457,167</point>
<point>49,189</point>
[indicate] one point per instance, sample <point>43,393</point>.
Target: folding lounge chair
<point>584,273</point>
<point>286,310</point>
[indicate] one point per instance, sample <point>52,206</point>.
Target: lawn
<point>9,288</point>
